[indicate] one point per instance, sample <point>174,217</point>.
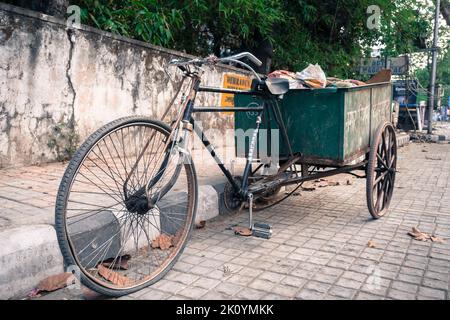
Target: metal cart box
<point>327,126</point>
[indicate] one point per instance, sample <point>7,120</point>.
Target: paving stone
<point>263,285</point>
<point>435,284</point>
<point>274,296</point>
<point>401,295</point>
<point>169,286</point>
<point>404,286</point>
<point>318,286</point>
<point>250,294</point>
<point>368,296</point>
<point>193,292</point>
<point>308,294</point>
<point>206,283</point>
<point>271,276</point>
<point>153,295</point>
<point>349,283</point>
<point>228,289</point>
<point>431,293</point>
<point>337,291</point>
<point>214,295</point>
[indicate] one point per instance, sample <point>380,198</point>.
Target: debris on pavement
<point>56,282</point>
<point>242,231</point>
<point>163,241</point>
<point>200,224</point>
<point>416,234</point>
<point>437,239</point>
<point>121,263</point>
<point>35,293</point>
<point>226,270</point>
<point>371,244</point>
<point>114,277</point>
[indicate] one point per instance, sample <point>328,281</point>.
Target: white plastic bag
<point>313,72</point>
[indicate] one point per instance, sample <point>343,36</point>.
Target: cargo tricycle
<point>127,201</point>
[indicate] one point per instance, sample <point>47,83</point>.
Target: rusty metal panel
<point>356,122</point>
<point>381,106</point>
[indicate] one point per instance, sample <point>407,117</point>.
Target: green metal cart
<point>326,132</point>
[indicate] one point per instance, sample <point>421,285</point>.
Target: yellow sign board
<point>233,81</point>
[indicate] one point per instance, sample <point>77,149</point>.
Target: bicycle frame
<point>190,109</point>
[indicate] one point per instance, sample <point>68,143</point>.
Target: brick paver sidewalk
<point>320,244</point>
<point>319,249</point>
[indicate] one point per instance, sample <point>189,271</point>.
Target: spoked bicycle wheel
<point>381,169</point>
<point>126,206</point>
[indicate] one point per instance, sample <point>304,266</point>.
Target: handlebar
<point>213,60</point>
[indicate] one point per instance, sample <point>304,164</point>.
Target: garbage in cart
<point>313,77</point>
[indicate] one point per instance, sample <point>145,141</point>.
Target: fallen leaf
<point>418,235</point>
<point>56,282</point>
<point>242,231</point>
<point>35,293</point>
<point>114,277</point>
<point>200,224</point>
<point>437,239</point>
<point>121,263</point>
<point>163,241</point>
<point>371,244</point>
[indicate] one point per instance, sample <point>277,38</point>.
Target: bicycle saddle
<point>277,86</point>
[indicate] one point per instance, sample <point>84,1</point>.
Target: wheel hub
<point>137,205</point>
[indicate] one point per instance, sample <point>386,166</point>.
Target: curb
<point>28,254</point>
<point>31,253</point>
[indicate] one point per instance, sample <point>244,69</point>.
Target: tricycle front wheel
<point>381,170</point>
<point>119,237</point>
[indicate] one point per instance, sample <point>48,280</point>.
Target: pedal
<point>262,230</point>
<point>257,229</point>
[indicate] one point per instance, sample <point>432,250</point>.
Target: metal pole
<point>433,69</point>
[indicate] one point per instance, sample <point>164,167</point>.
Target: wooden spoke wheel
<point>381,170</point>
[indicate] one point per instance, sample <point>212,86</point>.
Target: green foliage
<point>332,33</point>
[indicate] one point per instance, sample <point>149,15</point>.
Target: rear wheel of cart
<point>381,170</point>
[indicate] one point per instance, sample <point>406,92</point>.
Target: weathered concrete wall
<point>58,85</point>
